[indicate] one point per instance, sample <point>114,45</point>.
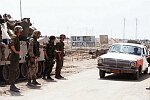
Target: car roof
<point>132,44</point>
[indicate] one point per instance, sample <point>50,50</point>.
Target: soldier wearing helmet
<point>59,49</point>
<point>34,53</point>
<point>36,34</point>
<point>14,58</point>
<point>18,29</point>
<point>49,52</point>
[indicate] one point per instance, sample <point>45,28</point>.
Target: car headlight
<point>133,64</point>
<point>100,61</point>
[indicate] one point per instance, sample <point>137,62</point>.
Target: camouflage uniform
<point>14,60</point>
<point>59,58</point>
<point>33,54</point>
<point>50,50</point>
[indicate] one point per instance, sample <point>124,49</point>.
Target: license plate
<point>115,71</point>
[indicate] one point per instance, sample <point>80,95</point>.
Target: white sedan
<point>124,58</point>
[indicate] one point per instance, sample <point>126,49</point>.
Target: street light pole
<point>20,10</point>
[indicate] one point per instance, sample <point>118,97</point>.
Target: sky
<point>84,17</point>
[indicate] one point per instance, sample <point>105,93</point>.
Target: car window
<point>115,48</point>
<point>135,50</point>
<point>126,49</point>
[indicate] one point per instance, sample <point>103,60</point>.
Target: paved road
<point>88,86</point>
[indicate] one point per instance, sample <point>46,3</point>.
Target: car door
<point>144,55</point>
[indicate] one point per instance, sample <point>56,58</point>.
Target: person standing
<point>59,56</point>
<point>14,58</point>
<point>34,53</point>
<point>49,53</point>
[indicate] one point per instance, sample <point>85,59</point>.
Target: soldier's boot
<point>35,82</point>
<point>49,78</point>
<point>14,88</point>
<point>44,77</point>
<point>61,76</point>
<point>58,76</point>
<point>29,82</point>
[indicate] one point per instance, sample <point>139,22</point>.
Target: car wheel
<point>102,73</point>
<point>146,71</point>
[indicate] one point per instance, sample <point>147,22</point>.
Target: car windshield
<point>126,49</point>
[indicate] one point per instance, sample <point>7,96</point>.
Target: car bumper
<point>116,70</point>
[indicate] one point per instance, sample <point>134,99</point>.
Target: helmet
<point>18,29</point>
<point>36,33</point>
<point>52,37</point>
<point>63,36</point>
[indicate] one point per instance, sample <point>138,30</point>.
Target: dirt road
<point>87,85</point>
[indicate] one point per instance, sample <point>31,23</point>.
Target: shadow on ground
<point>125,77</point>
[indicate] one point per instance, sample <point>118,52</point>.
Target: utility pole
<point>136,29</point>
<point>20,10</point>
<point>124,26</point>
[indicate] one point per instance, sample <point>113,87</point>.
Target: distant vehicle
<point>124,58</point>
<point>133,41</point>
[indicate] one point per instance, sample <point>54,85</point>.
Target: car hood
<point>122,56</point>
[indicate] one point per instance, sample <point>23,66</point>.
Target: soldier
<point>49,53</point>
<point>14,58</point>
<point>34,53</point>
<point>59,56</point>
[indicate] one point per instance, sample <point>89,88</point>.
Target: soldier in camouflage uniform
<point>14,58</point>
<point>59,56</point>
<point>49,53</point>
<point>34,53</point>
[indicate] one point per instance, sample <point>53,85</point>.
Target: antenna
<point>20,10</point>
